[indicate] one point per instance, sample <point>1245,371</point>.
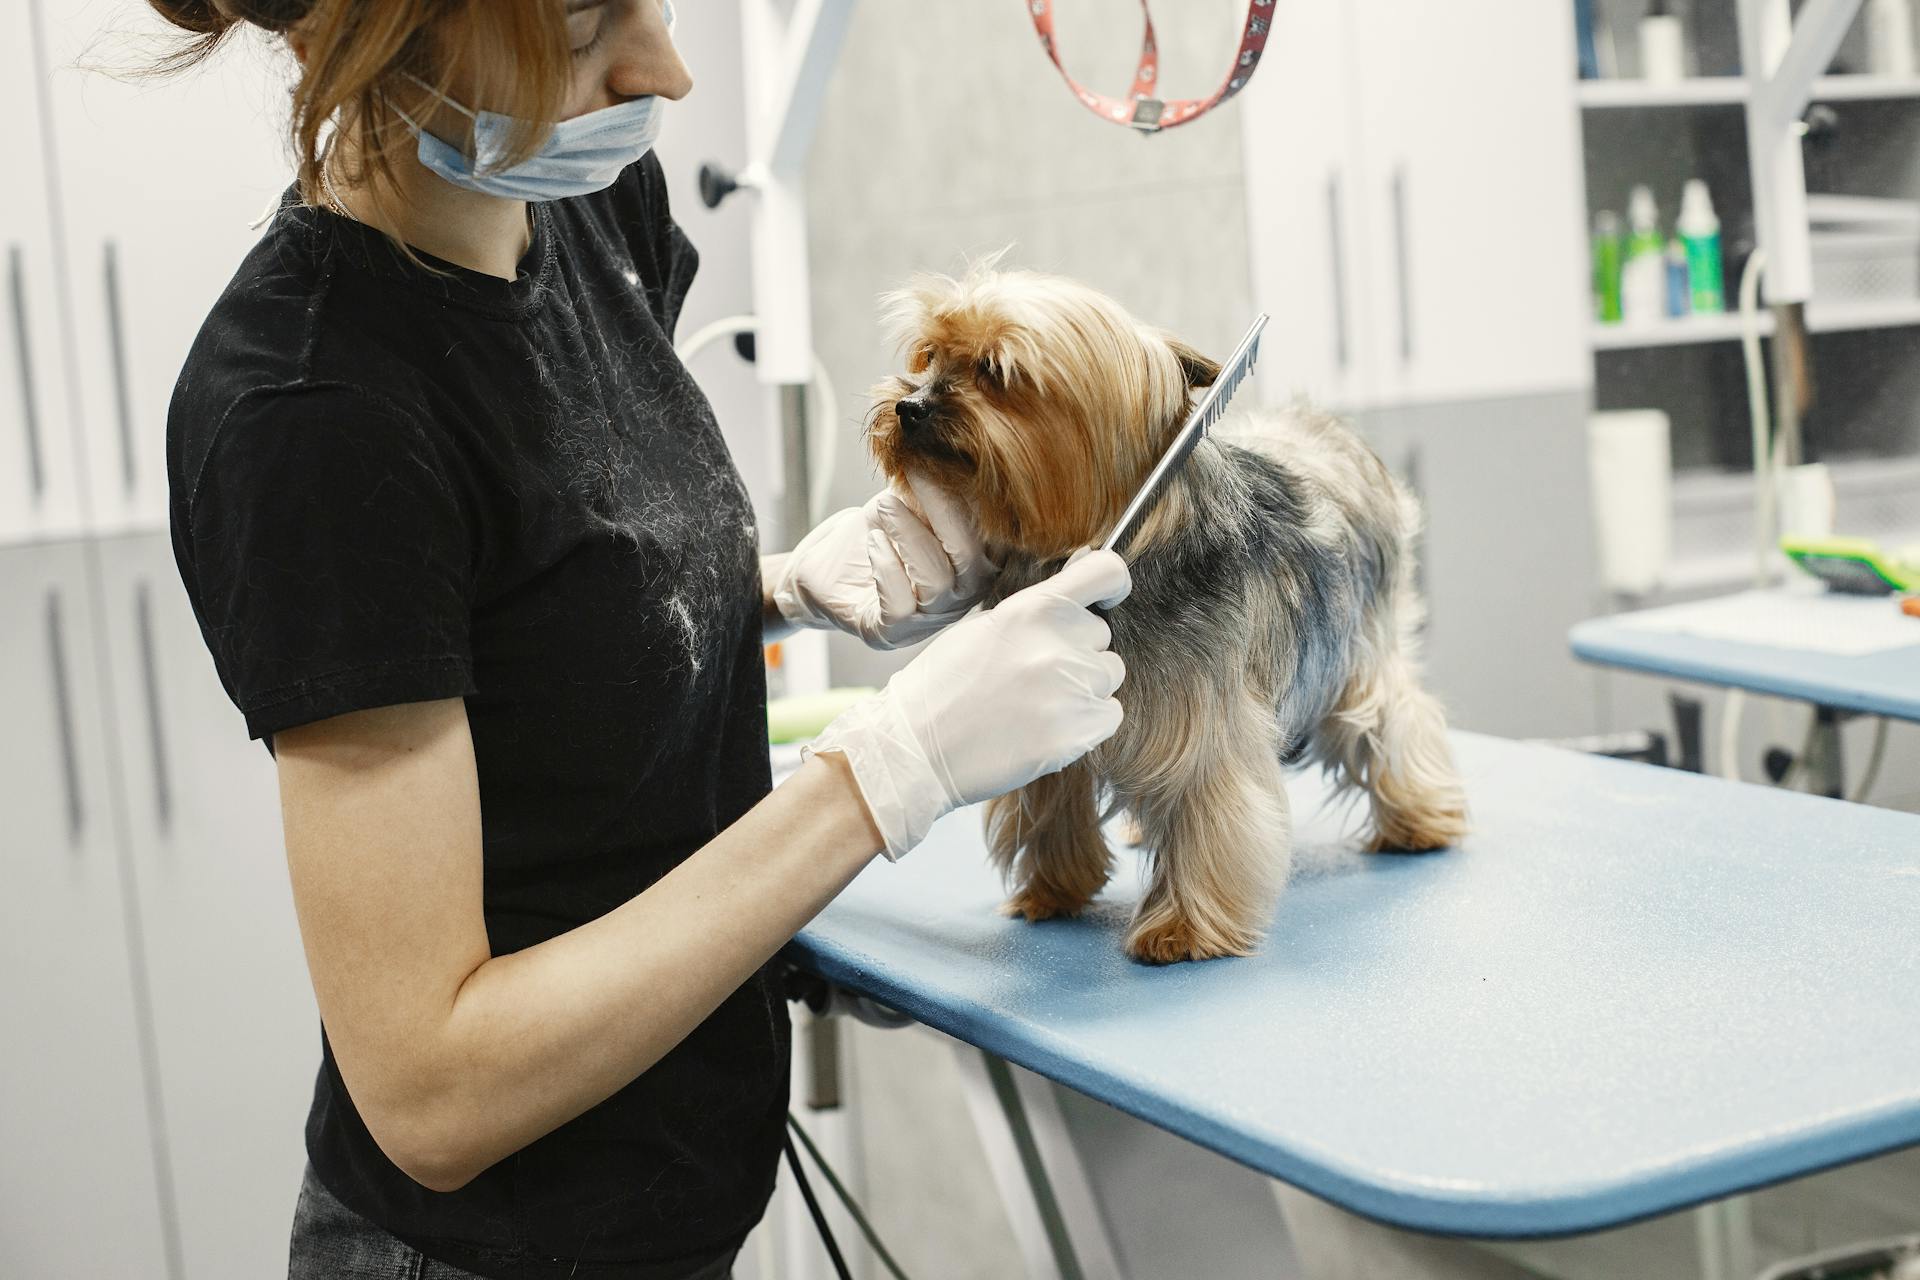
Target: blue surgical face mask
<point>580,156</point>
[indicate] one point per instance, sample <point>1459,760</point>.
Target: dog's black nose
<point>913,413</point>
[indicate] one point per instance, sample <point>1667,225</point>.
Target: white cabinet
<point>39,493</point>
<point>160,1035</point>
<point>1299,134</point>
<point>234,1019</point>
<point>158,181</point>
<point>80,1194</point>
<point>1414,196</point>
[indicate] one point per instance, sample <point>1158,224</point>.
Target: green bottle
<point>1699,232</point>
<point>1606,267</point>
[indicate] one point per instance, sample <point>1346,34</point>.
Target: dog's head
<point>1037,401</point>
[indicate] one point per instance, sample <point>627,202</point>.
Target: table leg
<point>1832,778</point>
<point>1094,1192</point>
<point>1724,1230</point>
<point>1042,1183</point>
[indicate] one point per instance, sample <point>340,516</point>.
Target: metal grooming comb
<point>1211,409</point>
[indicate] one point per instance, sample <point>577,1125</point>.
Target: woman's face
<point>621,50</point>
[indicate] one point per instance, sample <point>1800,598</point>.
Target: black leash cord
<point>813,1207</point>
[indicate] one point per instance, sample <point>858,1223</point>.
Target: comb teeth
<point>1224,386</point>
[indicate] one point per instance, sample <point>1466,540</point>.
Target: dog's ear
<point>1198,370</point>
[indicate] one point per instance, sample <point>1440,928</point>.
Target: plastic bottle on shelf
<point>1643,276</point>
<point>1678,302</point>
<point>1890,37</point>
<point>1606,267</point>
<point>1699,229</point>
<point>1663,45</point>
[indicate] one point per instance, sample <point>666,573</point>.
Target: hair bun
<point>203,17</point>
<point>216,17</point>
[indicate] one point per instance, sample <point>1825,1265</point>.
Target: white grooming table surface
<point>1630,990</point>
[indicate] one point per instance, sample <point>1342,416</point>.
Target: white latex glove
<point>892,572</point>
<point>996,701</point>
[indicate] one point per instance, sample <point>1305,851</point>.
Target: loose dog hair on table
<point>1272,619</point>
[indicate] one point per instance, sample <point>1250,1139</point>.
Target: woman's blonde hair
<point>365,62</point>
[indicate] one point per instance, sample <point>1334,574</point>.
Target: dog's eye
<point>983,371</point>
<point>919,360</point>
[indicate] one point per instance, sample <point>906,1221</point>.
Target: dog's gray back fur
<point>1284,575</point>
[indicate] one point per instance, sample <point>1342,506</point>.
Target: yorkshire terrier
<point>1272,618</point>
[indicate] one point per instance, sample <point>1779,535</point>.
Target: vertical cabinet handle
<point>23,352</point>
<point>1337,246</point>
<point>156,725</point>
<point>63,716</point>
<point>1403,263</point>
<point>117,346</point>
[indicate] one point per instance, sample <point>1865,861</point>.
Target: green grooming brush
<point>1854,564</point>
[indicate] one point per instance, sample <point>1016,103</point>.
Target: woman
<point>473,561</point>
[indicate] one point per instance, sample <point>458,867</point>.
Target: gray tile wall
<point>946,134</point>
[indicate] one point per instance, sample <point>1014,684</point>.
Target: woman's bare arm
<point>455,1058</point>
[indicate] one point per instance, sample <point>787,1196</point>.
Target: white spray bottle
<point>1643,277</point>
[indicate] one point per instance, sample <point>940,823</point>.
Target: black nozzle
<point>716,184</point>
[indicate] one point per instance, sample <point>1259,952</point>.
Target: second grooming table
<point>1883,682</point>
<point>1631,990</point>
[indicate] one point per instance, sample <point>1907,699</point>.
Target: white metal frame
<point>787,61</point>
<point>1782,59</point>
<point>788,51</point>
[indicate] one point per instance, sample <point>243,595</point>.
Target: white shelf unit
<point>1701,91</point>
<point>1821,318</point>
<point>1714,91</point>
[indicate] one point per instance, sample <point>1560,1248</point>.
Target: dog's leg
<point>1389,736</point>
<point>1221,839</point>
<point>1046,840</point>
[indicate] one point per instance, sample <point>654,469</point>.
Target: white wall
<point>709,125</point>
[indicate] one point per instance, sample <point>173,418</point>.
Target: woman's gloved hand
<point>997,701</point>
<point>892,572</point>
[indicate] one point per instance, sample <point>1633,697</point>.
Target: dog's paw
<point>1036,902</point>
<point>1175,938</point>
<point>1421,833</point>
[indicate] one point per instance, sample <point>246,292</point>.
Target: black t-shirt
<point>390,485</point>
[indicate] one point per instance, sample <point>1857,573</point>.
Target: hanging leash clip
<point>1146,115</point>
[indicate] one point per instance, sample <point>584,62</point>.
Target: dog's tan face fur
<point>1039,402</point>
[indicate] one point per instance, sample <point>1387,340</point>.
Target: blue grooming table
<point>1886,683</point>
<point>1630,990</point>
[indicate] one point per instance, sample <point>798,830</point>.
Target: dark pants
<point>332,1242</point>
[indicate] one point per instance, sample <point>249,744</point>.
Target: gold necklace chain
<point>330,192</point>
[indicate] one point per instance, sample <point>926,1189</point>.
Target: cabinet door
<point>1506,556</point>
<point>1474,197</point>
<point>233,1011</point>
<point>1304,231</point>
<point>159,179</point>
<point>80,1192</point>
<point>39,496</point>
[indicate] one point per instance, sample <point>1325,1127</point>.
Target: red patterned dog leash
<point>1142,110</point>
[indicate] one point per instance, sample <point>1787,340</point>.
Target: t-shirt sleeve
<point>675,259</point>
<point>330,558</point>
